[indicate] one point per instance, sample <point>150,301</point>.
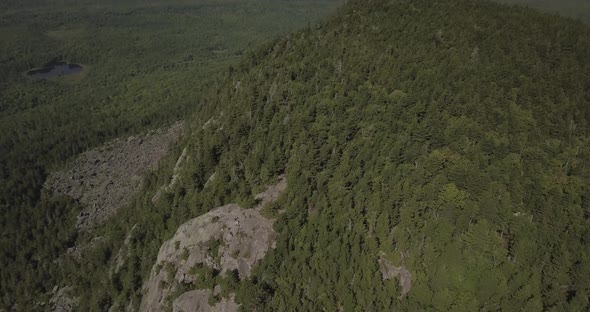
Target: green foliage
<point>213,248</point>
<point>397,137</point>
<point>206,278</point>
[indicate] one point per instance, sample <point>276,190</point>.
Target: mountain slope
<point>442,140</point>
<point>449,135</point>
<point>144,63</point>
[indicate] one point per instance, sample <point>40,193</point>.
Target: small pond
<point>55,69</point>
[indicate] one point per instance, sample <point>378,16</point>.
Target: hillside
<point>453,146</point>
<point>140,66</point>
<point>436,159</point>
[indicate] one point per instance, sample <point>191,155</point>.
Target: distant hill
<point>578,9</point>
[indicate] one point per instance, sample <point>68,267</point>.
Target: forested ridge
<point>449,138</point>
<point>449,135</point>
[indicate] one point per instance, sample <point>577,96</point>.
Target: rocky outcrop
<point>175,176</point>
<point>197,300</point>
<point>271,194</point>
<point>124,250</point>
<point>242,236</point>
<point>77,251</point>
<point>225,239</point>
<point>106,178</point>
<point>390,271</point>
<point>62,300</point>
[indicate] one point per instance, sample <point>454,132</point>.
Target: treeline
<point>579,9</point>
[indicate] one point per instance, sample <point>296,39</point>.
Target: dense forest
<point>448,137</point>
<point>455,144</point>
<point>144,66</point>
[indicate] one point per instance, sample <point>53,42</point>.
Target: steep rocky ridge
<point>225,239</point>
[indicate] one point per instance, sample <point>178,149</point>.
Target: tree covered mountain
<point>447,138</point>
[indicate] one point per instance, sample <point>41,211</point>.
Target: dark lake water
<point>55,69</point>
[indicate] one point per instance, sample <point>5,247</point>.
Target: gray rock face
<point>106,178</point>
<point>196,300</point>
<point>62,300</point>
<point>124,250</point>
<point>242,236</point>
<point>390,271</point>
<point>175,176</point>
<point>272,193</point>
